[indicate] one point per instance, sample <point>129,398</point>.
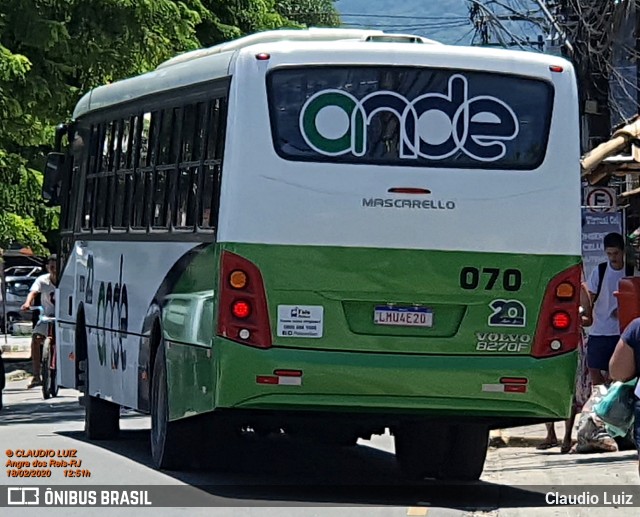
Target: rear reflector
<point>281,380</point>
<point>288,373</point>
<point>267,379</point>
<point>514,380</point>
<point>515,388</point>
<point>505,388</point>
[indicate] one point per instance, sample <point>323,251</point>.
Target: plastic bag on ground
<point>615,408</point>
<point>592,432</point>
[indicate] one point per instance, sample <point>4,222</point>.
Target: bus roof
<point>312,34</point>
<point>208,64</point>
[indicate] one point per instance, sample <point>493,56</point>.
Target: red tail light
<point>558,330</point>
<point>561,320</point>
<point>241,309</point>
<point>243,315</point>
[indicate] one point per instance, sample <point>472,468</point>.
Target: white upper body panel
<point>270,199</point>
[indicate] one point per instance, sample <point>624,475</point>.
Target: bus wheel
<point>101,418</point>
<point>167,440</point>
<point>45,372</point>
<point>466,454</point>
<point>444,452</point>
<point>420,449</point>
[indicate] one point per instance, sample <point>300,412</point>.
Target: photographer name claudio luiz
<point>603,498</point>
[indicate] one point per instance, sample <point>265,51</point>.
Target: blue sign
<point>594,227</point>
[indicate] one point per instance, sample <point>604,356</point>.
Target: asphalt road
<point>280,475</point>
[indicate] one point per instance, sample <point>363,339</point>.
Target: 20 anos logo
<point>433,126</point>
<point>507,313</point>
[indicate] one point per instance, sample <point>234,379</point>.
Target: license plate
<point>403,316</point>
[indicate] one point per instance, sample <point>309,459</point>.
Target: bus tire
<point>168,440</point>
<point>420,449</point>
<point>466,453</point>
<point>45,372</point>
<point>101,418</point>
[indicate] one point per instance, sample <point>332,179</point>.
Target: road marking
<point>417,510</point>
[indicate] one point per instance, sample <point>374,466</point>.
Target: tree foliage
<point>53,51</point>
<point>311,13</point>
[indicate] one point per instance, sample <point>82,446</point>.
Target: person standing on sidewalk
<point>2,378</point>
<point>602,307</point>
<point>625,365</point>
<point>45,285</point>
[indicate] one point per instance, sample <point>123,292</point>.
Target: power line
<point>490,23</point>
<point>391,16</point>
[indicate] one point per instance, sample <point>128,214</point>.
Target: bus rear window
<point>410,116</point>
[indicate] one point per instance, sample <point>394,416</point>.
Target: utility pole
<point>554,23</point>
<point>499,23</point>
<point>586,24</point>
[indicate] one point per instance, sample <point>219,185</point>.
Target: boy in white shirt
<point>45,285</point>
<point>603,307</point>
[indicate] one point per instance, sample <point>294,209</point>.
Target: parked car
<point>17,289</point>
<point>23,271</point>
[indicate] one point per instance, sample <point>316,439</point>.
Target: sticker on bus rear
<point>507,313</point>
<point>300,321</point>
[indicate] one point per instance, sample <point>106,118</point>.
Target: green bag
<point>616,407</point>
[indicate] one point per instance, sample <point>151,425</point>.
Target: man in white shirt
<point>44,285</point>
<point>603,308</point>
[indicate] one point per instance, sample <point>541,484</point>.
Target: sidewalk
<point>15,347</point>
<point>526,436</point>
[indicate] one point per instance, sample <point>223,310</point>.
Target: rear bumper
<point>394,384</point>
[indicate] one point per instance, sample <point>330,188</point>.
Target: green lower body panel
<point>377,383</point>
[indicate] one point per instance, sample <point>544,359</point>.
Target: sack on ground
<point>615,409</point>
<point>592,432</point>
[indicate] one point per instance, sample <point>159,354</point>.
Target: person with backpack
<point>625,365</point>
<point>602,307</point>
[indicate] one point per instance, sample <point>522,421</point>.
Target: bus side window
<point>71,184</point>
<point>89,186</point>
<point>102,179</point>
<point>143,172</point>
<point>164,170</point>
<point>213,164</point>
<point>121,171</point>
<point>130,166</point>
<point>188,171</point>
<point>110,184</point>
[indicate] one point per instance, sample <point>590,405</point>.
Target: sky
<point>444,20</point>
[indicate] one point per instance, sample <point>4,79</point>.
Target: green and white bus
<point>324,232</point>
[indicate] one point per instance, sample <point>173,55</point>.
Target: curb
<point>16,375</point>
<point>515,441</point>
